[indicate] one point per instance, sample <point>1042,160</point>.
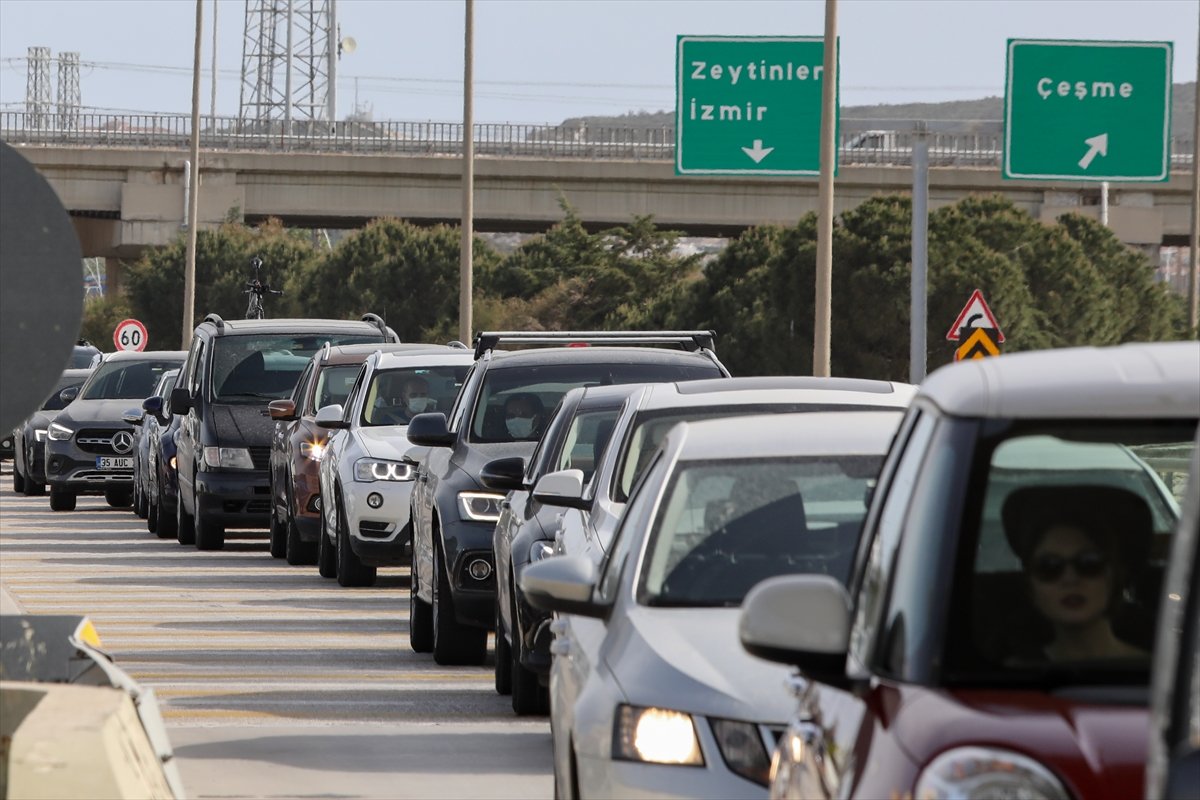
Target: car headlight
<point>39,434</point>
<point>59,433</point>
<point>375,469</point>
<point>480,506</point>
<point>987,772</point>
<point>656,736</point>
<point>742,747</point>
<point>314,451</point>
<point>540,549</point>
<point>172,462</point>
<point>228,458</point>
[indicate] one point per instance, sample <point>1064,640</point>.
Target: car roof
<point>431,355</point>
<point>612,394</point>
<point>235,327</point>
<point>503,359</point>
<point>146,355</point>
<point>358,353</point>
<point>781,435</point>
<point>79,372</point>
<point>777,390</point>
<point>1160,379</point>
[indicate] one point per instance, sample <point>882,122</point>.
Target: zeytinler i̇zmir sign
<point>1088,111</point>
<point>748,105</point>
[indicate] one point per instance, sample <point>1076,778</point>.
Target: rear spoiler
<point>691,341</point>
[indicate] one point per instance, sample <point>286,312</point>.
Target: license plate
<point>113,462</point>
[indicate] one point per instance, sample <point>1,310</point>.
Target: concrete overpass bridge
<point>123,177</point>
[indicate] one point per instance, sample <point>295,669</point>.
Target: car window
<point>83,357</point>
<point>303,384</point>
<point>586,439</point>
<point>125,380</point>
<point>725,525</point>
<point>333,386</point>
<point>195,366</point>
<point>251,368</point>
<point>546,452</point>
<point>514,403</point>
<point>628,533</point>
<point>466,396</point>
<point>395,396</point>
<point>1064,548</point>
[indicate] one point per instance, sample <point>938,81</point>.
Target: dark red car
<point>995,637</point>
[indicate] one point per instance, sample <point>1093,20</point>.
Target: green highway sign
<point>1087,111</point>
<point>748,105</point>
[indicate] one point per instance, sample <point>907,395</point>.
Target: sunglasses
<point>1088,564</point>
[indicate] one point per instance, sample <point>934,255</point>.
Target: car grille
<point>260,456</point>
<point>98,441</point>
<point>246,506</point>
<point>374,530</point>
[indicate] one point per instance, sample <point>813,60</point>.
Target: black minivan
<point>233,370</point>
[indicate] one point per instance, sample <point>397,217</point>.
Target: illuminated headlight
<point>480,506</point>
<point>374,469</point>
<point>973,773</point>
<point>172,463</point>
<point>742,748</point>
<point>314,451</point>
<point>540,549</point>
<point>656,736</point>
<point>39,435</point>
<point>59,433</point>
<point>227,458</point>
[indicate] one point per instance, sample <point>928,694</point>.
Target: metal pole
<point>920,256</point>
<point>468,181</point>
<point>1193,265</point>
<point>823,307</point>
<point>287,105</point>
<point>212,108</point>
<point>1104,203</point>
<point>189,270</point>
<point>335,41</point>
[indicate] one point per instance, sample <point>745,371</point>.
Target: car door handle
<point>560,647</point>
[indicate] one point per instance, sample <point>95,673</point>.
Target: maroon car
<point>995,637</point>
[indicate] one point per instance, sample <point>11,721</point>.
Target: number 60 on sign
<point>129,335</point>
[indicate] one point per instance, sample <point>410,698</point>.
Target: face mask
<point>418,405</point>
<point>519,427</point>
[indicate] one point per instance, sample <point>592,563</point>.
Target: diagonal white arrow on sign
<point>1097,145</point>
<point>758,152</point>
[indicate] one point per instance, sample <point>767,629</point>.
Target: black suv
<point>504,404</point>
<point>89,447</point>
<point>234,369</point>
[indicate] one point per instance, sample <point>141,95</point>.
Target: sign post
<point>975,332</point>
<point>1087,110</point>
<point>748,105</point>
<point>129,335</point>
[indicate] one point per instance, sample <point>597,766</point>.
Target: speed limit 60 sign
<point>130,335</point>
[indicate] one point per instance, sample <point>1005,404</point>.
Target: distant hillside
<point>988,108</point>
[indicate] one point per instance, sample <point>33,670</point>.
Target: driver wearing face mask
<point>523,416</point>
<point>415,397</point>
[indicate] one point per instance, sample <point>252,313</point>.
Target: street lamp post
<point>189,272</point>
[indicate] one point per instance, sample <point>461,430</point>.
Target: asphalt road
<point>274,682</point>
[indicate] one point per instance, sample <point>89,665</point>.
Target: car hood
<point>97,411</point>
<point>388,442</point>
<point>690,659</point>
<point>242,426</point>
<point>1095,744</point>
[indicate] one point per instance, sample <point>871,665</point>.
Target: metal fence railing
<point>975,144</point>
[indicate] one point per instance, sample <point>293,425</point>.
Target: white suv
<point>369,465</point>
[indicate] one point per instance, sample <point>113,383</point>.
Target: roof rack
<point>378,322</point>
<point>325,353</point>
<point>215,319</point>
<point>456,344</point>
<point>688,340</point>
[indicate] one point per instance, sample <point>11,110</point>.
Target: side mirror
<point>563,488</point>
<point>132,416</point>
<point>429,430</point>
<point>802,620</point>
<point>283,410</point>
<point>153,405</point>
<point>181,400</point>
<point>68,394</point>
<point>327,417</point>
<point>563,583</point>
<point>503,474</point>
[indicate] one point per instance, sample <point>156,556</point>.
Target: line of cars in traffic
<point>968,574</point>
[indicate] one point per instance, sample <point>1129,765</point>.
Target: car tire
<point>151,516</point>
<point>62,499</point>
<point>350,569</point>
<point>326,557</point>
<point>139,501</point>
<point>32,487</point>
<point>18,480</point>
<point>297,551</point>
<point>166,527</point>
<point>503,658</point>
<point>209,535</point>
<point>278,537</point>
<point>529,697</point>
<point>185,526</point>
<point>420,617</point>
<point>118,498</point>
<point>453,644</point>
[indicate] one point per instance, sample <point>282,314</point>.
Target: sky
<point>542,61</point>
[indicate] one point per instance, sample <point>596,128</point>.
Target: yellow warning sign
<point>980,344</point>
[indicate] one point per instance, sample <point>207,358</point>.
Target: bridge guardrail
<point>975,144</point>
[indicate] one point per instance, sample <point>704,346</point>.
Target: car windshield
<point>723,526</point>
<point>166,384</point>
<point>126,380</point>
<point>253,368</point>
<point>1065,546</point>
<point>396,395</point>
<point>333,385</point>
<point>82,357</point>
<point>54,402</point>
<point>515,403</point>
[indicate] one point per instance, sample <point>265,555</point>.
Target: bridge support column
<point>113,285</point>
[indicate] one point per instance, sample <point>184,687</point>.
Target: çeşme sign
<point>1087,110</point>
<point>748,105</point>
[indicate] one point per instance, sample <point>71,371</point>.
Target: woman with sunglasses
<point>1078,546</point>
